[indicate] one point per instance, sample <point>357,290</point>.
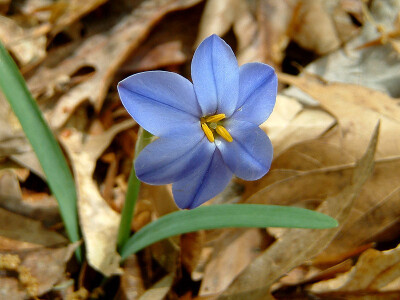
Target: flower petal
<point>161,102</point>
<point>249,156</point>
<point>215,75</point>
<point>207,181</point>
<point>169,159</point>
<point>257,93</point>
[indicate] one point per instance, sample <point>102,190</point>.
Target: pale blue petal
<point>215,75</point>
<point>249,156</point>
<point>206,182</point>
<point>257,93</point>
<point>169,159</point>
<point>161,102</point>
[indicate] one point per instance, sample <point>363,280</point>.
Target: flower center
<point>211,125</point>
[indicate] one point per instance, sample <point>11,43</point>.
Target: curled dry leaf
<point>374,215</point>
<point>104,53</point>
<point>290,124</point>
<point>40,206</point>
<point>27,45</point>
<point>357,110</point>
<point>299,245</point>
<point>224,266</point>
<point>132,285</point>
<point>313,27</point>
<point>13,143</point>
<point>160,289</point>
<point>38,271</point>
<point>16,227</point>
<point>99,223</point>
<point>375,271</point>
<point>261,27</point>
<point>73,11</point>
<point>375,67</point>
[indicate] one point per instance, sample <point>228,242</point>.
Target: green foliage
<point>223,216</point>
<point>44,144</point>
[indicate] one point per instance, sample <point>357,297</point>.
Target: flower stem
<point>144,138</point>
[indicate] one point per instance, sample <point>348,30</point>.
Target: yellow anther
<point>207,132</point>
<point>224,133</point>
<point>215,118</point>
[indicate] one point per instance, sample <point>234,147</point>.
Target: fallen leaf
<point>322,38</point>
<point>16,227</point>
<point>26,46</point>
<point>99,223</point>
<point>357,110</point>
<point>13,143</point>
<point>38,206</point>
<point>4,4</point>
<point>374,271</point>
<point>224,266</point>
<point>299,245</point>
<point>290,123</point>
<point>169,45</point>
<point>73,11</point>
<point>260,27</point>
<point>160,289</point>
<point>43,267</point>
<point>373,67</point>
<point>132,285</point>
<point>107,51</point>
<point>374,214</point>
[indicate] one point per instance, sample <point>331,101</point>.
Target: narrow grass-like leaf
<point>144,138</point>
<point>44,144</point>
<point>223,216</point>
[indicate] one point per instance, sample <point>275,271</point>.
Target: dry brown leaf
<point>217,18</point>
<point>298,245</point>
<point>13,143</point>
<point>374,271</point>
<point>39,206</point>
<point>16,227</point>
<point>325,168</point>
<point>160,289</point>
<point>306,189</point>
<point>192,244</point>
<point>39,270</point>
<point>74,10</point>
<point>313,28</point>
<point>357,110</point>
<point>290,123</point>
<point>169,45</point>
<point>260,27</point>
<point>132,285</point>
<point>99,223</point>
<point>103,52</point>
<point>4,4</point>
<point>230,261</point>
<point>310,155</point>
<point>25,44</point>
<point>374,215</point>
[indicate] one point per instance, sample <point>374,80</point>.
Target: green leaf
<point>223,216</point>
<point>44,144</point>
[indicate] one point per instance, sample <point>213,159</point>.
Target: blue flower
<point>207,131</point>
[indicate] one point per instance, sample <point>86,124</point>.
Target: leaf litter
<point>73,54</point>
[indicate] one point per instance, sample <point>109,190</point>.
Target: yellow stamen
<point>215,118</point>
<point>207,132</point>
<point>224,133</point>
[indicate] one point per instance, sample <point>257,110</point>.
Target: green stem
<point>144,138</point>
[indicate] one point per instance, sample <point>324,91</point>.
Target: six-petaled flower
<point>207,131</point>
